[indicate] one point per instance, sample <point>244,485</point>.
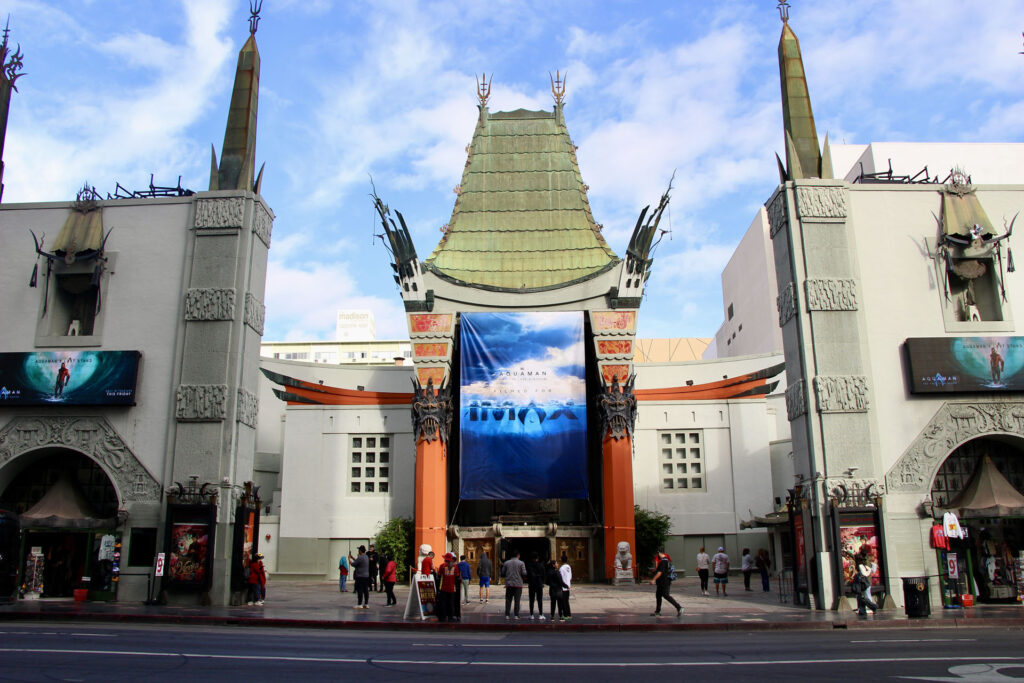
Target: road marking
<point>920,640</point>
<point>95,635</point>
<point>561,664</point>
<point>473,645</point>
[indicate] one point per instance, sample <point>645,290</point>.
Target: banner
<point>964,364</point>
<point>523,406</point>
<point>70,378</point>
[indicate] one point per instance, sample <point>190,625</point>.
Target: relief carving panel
<point>796,400</point>
<point>201,402</point>
<point>262,224</point>
<point>220,213</point>
<point>209,304</point>
<point>821,202</point>
<point>786,303</point>
<point>831,295</point>
<point>248,408</point>
<point>254,313</point>
<point>777,214</point>
<point>841,393</point>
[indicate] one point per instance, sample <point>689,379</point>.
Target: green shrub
<point>396,539</point>
<point>651,533</point>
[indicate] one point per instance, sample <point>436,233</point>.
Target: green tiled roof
<point>522,219</point>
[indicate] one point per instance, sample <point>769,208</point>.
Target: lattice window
<point>681,466</point>
<point>956,472</point>
<point>370,464</point>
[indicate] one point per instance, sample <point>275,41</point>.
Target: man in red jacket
<point>257,580</point>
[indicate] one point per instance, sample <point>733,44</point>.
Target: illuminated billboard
<point>965,364</point>
<point>68,378</point>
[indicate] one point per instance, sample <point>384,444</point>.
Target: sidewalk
<point>594,607</point>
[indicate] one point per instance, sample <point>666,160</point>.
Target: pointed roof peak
<point>254,15</point>
<point>783,8</point>
<point>803,154</point>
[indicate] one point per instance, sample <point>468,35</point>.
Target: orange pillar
<point>619,517</point>
<point>431,508</point>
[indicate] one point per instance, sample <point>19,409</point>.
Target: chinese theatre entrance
<point>67,508</point>
<point>977,495</point>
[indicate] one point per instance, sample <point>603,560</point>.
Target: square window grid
<point>681,461</point>
<point>366,454</point>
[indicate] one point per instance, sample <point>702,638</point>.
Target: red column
<point>431,507</point>
<point>619,517</point>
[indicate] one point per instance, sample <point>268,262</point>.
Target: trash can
<point>916,601</point>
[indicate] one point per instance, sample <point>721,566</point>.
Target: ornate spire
<point>10,67</point>
<point>483,89</point>
<point>803,156</point>
<point>558,87</point>
<point>238,155</point>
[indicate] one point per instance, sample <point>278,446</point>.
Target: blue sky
<point>116,90</point>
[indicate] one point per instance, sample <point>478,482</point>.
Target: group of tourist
<point>365,572</point>
<point>536,575</point>
<point>719,564</point>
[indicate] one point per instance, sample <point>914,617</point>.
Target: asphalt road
<point>72,652</point>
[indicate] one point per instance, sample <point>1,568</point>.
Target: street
<point>70,652</point>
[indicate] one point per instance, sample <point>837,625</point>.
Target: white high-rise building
<point>355,325</point>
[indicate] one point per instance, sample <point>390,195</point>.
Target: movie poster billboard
<point>522,413</point>
<point>965,364</point>
<point>69,378</point>
<point>190,536</point>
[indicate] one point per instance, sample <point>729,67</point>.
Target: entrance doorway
<point>526,548</point>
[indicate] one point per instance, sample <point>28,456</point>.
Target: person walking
<point>361,571</point>
<point>566,572</point>
<point>553,579</point>
<point>747,567</point>
<point>663,582</point>
<point>862,581</point>
<point>514,572</point>
<point>388,577</point>
<point>372,556</point>
<point>257,580</point>
<point>535,584</point>
<point>763,564</point>
<point>703,569</point>
<point>466,575</point>
<point>484,569</point>
<point>720,568</point>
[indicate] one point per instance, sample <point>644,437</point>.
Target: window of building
<point>730,312</point>
<point>71,303</point>
<point>369,463</point>
<point>142,547</point>
<point>681,461</point>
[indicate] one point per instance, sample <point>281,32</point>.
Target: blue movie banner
<point>68,378</point>
<point>523,407</point>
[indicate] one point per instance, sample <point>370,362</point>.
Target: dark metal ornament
<point>431,412</point>
<point>617,408</point>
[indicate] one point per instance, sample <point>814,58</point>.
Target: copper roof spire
<point>238,155</point>
<point>803,157</point>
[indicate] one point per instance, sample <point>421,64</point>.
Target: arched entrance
<point>982,482</point>
<point>68,509</point>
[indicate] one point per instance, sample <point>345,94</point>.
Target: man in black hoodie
<point>535,582</point>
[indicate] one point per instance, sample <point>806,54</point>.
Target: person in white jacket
<point>566,571</point>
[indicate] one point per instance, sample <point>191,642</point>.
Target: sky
<point>118,89</point>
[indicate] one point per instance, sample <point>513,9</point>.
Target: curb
<point>209,620</point>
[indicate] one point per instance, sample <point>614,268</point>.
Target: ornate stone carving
<point>209,304</point>
<point>92,436</point>
<point>431,412</point>
<point>786,303</point>
<point>201,402</point>
<point>953,425</point>
<point>796,400</point>
<point>841,393</point>
<point>248,407</point>
<point>821,202</point>
<point>254,313</point>
<point>623,558</point>
<point>777,214</point>
<point>617,406</point>
<point>220,213</point>
<point>831,295</point>
<point>262,224</point>
<point>848,493</point>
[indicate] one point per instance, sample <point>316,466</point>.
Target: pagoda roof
<point>522,220</point>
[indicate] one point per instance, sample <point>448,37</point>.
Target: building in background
<point>355,325</point>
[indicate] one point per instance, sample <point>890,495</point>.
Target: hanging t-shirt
<point>952,525</point>
<point>939,539</point>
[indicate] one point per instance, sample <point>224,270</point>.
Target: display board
<point>522,412</point>
<point>68,378</point>
<point>965,364</point>
<point>190,537</point>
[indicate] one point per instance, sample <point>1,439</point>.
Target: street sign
<point>159,564</point>
<point>951,564</point>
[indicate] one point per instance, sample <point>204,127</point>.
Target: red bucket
<point>967,600</point>
<point>81,594</point>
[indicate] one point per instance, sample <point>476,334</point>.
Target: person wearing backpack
<point>663,580</point>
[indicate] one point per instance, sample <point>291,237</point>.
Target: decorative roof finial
<point>254,15</point>
<point>784,11</point>
<point>483,89</point>
<point>10,63</point>
<point>558,86</point>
